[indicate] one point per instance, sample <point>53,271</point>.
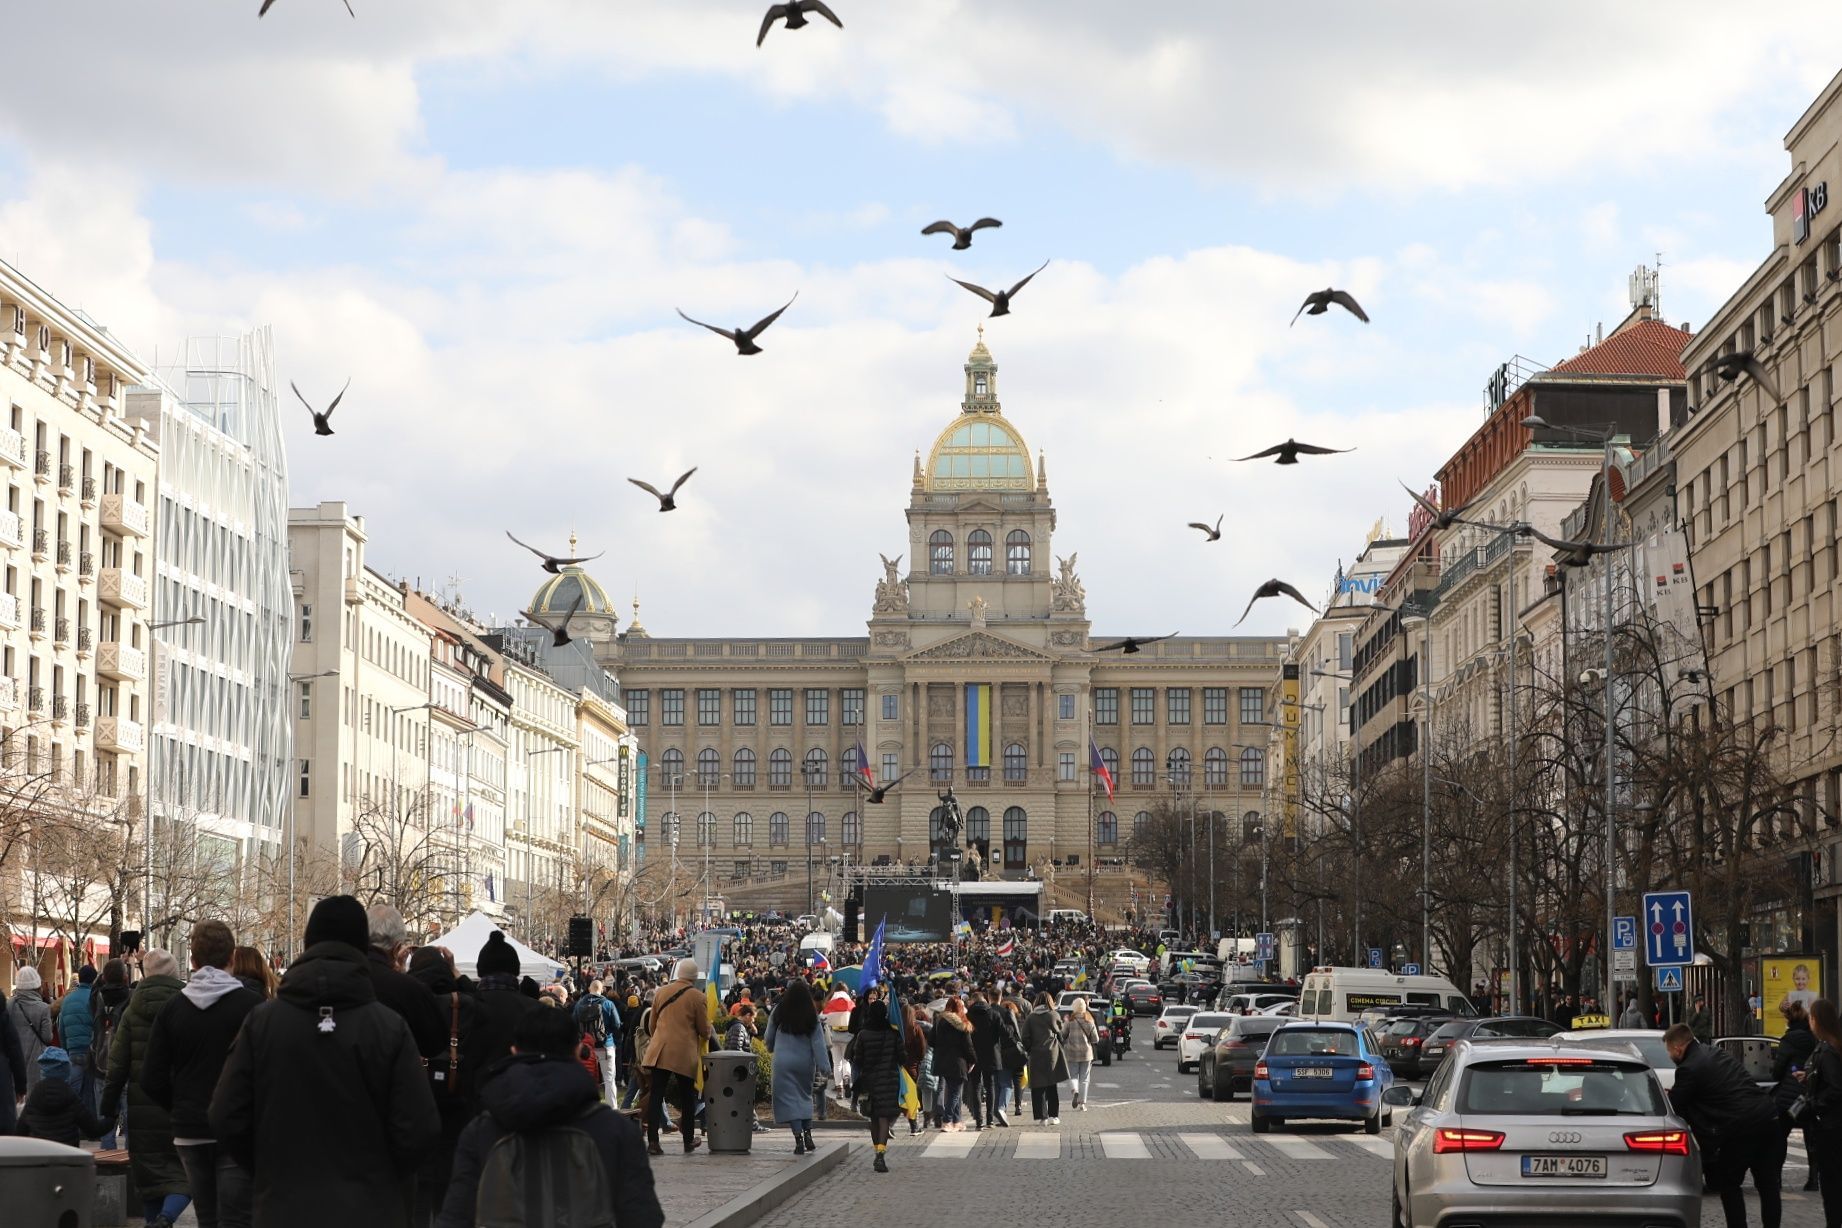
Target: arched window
<point>779,829</point>
<point>1215,768</point>
<point>1141,825</point>
<point>708,770</point>
<point>742,768</point>
<point>1106,828</point>
<point>851,830</point>
<point>1016,763</point>
<point>978,828</point>
<point>1144,768</point>
<point>706,830</point>
<point>940,553</point>
<point>744,829</point>
<point>671,768</point>
<point>1177,763</point>
<point>1017,552</point>
<point>940,763</point>
<point>978,553</point>
<point>670,822</point>
<point>815,828</point>
<point>1253,768</point>
<point>817,761</point>
<point>1250,827</point>
<point>1110,757</point>
<point>780,767</point>
<point>1016,838</point>
<point>849,770</point>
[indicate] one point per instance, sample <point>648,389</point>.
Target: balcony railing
<point>60,631</point>
<point>86,565</point>
<point>65,554</point>
<point>12,530</point>
<point>41,544</point>
<point>123,662</point>
<point>35,699</point>
<point>9,694</point>
<point>86,640</point>
<point>83,716</point>
<point>60,708</point>
<point>67,477</point>
<point>89,490</point>
<point>120,587</point>
<point>41,463</point>
<point>38,620</point>
<point>120,514</point>
<point>118,733</point>
<point>12,447</point>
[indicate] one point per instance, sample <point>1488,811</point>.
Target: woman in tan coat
<point>680,1025</point>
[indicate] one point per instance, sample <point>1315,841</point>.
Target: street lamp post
<point>1355,816</point>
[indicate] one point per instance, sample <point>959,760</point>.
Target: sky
<point>484,215</point>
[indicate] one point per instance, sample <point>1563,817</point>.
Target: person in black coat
<point>1823,1084</point>
<point>191,1038</point>
<point>12,1072</point>
<point>1735,1122</point>
<point>54,1111</point>
<point>1793,1055</point>
<point>324,1098</point>
<point>990,1081</point>
<point>876,1064</point>
<point>456,1084</point>
<point>502,1000</point>
<point>395,988</point>
<point>541,1087</point>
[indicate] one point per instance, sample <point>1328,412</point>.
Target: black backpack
<point>102,1034</point>
<point>552,1176</point>
<point>591,1019</point>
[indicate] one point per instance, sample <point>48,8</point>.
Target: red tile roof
<point>1648,347</point>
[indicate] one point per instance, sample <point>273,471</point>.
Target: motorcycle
<point>1122,1034</point>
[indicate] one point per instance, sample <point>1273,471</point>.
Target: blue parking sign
<point>1624,933</point>
<point>1410,969</point>
<point>1375,957</point>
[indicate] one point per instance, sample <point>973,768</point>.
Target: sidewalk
<point>727,1191</point>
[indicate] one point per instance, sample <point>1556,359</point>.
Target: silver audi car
<point>1536,1133</point>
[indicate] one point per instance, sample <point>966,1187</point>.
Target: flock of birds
<point>797,14</point>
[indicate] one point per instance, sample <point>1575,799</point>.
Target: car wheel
<point>1226,1090</point>
<point>1106,1058</point>
<point>1205,1087</point>
<point>1388,1119</point>
<point>1260,1123</point>
<point>1372,1125</point>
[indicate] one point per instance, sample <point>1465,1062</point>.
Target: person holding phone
<point>1788,1063</point>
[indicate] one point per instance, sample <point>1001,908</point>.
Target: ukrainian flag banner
<point>978,724</point>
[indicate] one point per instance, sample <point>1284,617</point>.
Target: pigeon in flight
<point>558,631</point>
<point>962,237</point>
<point>1215,534</point>
<point>268,4</point>
<point>875,796</point>
<point>1001,301</point>
<point>1131,644</point>
<point>744,337</point>
<point>1573,554</point>
<point>669,500</point>
<point>794,14</point>
<point>1441,519</point>
<point>1289,451</point>
<point>1730,366</point>
<point>322,422</point>
<point>1274,588</point>
<point>552,563</point>
<point>1318,302</point>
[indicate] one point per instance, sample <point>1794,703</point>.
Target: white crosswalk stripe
<point>1124,1147</point>
<point>1298,1149</point>
<point>1374,1146</point>
<point>1043,1146</point>
<point>1213,1146</point>
<point>1209,1146</point>
<point>951,1146</point>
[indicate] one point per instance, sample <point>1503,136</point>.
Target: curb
<point>752,1204</point>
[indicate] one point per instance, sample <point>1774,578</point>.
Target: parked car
<point>1314,1069</point>
<point>1228,1063</point>
<point>1554,1132</point>
<point>1402,1040</point>
<point>1755,1053</point>
<point>1253,1002</point>
<point>1437,1046</point>
<point>1197,1036</point>
<point>1170,1024</point>
<point>1138,961</point>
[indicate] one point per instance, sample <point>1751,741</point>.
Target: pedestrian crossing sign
<point>1669,978</point>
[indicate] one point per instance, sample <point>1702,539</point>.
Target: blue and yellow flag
<point>978,724</point>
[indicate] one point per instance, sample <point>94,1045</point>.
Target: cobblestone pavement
<point>1150,1145</point>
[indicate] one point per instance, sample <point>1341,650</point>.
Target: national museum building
<point>977,673</point>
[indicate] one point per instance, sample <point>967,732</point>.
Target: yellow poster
<point>1787,978</point>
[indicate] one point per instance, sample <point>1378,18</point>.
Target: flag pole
<point>1090,849</point>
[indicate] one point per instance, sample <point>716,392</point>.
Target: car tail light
<point>1365,1071</point>
<point>1663,1142</point>
<point>1260,1070</point>
<point>1234,1044</point>
<point>1466,1140</point>
<point>1411,1040</point>
<point>1194,1036</point>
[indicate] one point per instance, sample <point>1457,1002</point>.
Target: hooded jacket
<point>74,1027</point>
<point>54,1111</point>
<point>502,1005</point>
<point>31,1018</point>
<point>323,1099</point>
<point>191,1039</point>
<point>953,1051</point>
<point>536,1093</point>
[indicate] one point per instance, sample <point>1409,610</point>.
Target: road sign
<point>1624,934</point>
<point>1669,928</point>
<point>1263,947</point>
<point>1410,969</point>
<point>1669,978</point>
<point>1375,957</point>
<point>1624,965</point>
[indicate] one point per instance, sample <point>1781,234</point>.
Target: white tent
<point>466,939</point>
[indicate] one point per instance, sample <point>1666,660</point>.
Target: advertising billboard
<point>909,913</point>
<point>1795,978</point>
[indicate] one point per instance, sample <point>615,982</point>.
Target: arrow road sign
<point>1263,947</point>
<point>1669,978</point>
<point>1624,933</point>
<point>1669,928</point>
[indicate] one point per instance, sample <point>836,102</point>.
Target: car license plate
<point>1311,1072</point>
<point>1563,1166</point>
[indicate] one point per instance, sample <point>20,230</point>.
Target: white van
<point>1342,994</point>
<point>817,940</point>
<point>1065,916</point>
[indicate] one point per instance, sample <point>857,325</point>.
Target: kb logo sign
<point>1810,202</point>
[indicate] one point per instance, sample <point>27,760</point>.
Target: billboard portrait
<point>1787,978</point>
<point>908,914</point>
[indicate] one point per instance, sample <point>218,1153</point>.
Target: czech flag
<point>863,767</point>
<point>819,962</point>
<point>1098,767</point>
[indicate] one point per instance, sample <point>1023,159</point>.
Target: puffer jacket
<point>74,1021</point>
<point>953,1054</point>
<point>876,1065</point>
<point>153,1162</point>
<point>54,1111</point>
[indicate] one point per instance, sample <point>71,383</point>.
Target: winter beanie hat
<point>497,957</point>
<point>339,918</point>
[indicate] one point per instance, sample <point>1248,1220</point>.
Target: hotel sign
<point>1806,205</point>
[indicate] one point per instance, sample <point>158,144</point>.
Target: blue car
<point>1321,1070</point>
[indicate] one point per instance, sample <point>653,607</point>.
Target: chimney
<point>1599,333</point>
<point>1662,412</point>
<point>1687,329</point>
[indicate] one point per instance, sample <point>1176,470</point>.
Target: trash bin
<point>729,1100</point>
<point>46,1183</point>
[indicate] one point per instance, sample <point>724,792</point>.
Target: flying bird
<point>552,563</point>
<point>1573,554</point>
<point>1001,301</point>
<point>875,796</point>
<point>794,14</point>
<point>268,4</point>
<point>1131,644</point>
<point>322,422</point>
<point>962,236</point>
<point>1274,588</point>
<point>1215,534</point>
<point>669,500</point>
<point>744,337</point>
<point>1318,302</point>
<point>1442,519</point>
<point>1730,366</point>
<point>1289,451</point>
<point>559,631</point>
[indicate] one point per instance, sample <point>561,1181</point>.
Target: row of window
<point>1016,829</point>
<point>1143,707</point>
<point>1177,767</point>
<point>940,553</point>
<point>780,829</point>
<point>815,769</point>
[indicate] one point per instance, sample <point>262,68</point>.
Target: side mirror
<point>1401,1097</point>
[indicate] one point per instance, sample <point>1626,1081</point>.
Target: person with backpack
<point>545,1149</point>
<point>599,1020</point>
<point>324,1098</point>
<point>108,1003</point>
<point>74,1033</point>
<point>454,1074</point>
<point>191,1039</point>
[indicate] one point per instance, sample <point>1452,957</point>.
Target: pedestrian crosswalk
<point>1254,1153</point>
